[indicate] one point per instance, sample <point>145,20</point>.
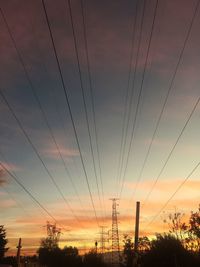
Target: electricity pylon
<point>53,234</point>
<point>103,238</point>
<point>115,235</point>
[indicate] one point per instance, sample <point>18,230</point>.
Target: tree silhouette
<point>187,232</point>
<point>128,251</point>
<point>54,257</point>
<point>195,223</point>
<point>177,226</point>
<point>48,244</point>
<point>168,251</point>
<point>3,242</point>
<point>92,259</point>
<point>144,244</point>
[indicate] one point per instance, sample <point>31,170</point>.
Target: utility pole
<point>115,235</point>
<point>137,225</point>
<point>96,245</point>
<point>19,251</point>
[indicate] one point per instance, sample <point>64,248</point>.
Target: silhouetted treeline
<point>59,257</point>
<point>69,256</point>
<point>168,251</point>
<point>9,260</point>
<point>179,247</point>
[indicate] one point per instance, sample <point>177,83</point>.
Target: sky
<point>131,71</point>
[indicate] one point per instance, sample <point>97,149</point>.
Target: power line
<point>44,116</point>
<point>172,150</point>
<point>69,108</point>
<point>34,199</point>
<point>132,90</point>
<point>175,192</point>
<point>39,104</point>
<point>62,125</point>
<point>84,98</point>
<point>20,206</point>
<point>119,169</point>
<point>166,98</point>
<point>14,177</point>
<point>92,100</point>
<point>37,154</point>
<point>23,129</point>
<point>140,94</point>
<point>6,163</point>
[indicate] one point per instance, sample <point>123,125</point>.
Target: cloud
<point>9,166</point>
<point>65,152</point>
<point>2,175</point>
<point>165,185</point>
<point>4,204</point>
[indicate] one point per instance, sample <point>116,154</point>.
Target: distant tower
<point>115,235</point>
<point>53,233</point>
<point>103,238</point>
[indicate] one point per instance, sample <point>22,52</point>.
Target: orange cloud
<point>84,234</point>
<point>165,185</point>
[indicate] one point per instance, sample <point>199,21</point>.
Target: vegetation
<point>51,255</point>
<point>128,251</point>
<point>179,247</point>
<point>187,233</point>
<point>92,259</point>
<point>3,242</point>
<point>67,256</point>
<point>166,250</point>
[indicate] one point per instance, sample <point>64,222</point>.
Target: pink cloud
<point>65,152</point>
<point>102,34</point>
<point>2,175</point>
<point>8,166</point>
<point>8,203</point>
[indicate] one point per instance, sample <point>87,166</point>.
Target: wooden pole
<point>137,225</point>
<point>18,252</point>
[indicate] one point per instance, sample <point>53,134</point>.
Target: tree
<point>48,244</point>
<point>166,250</point>
<point>144,244</point>
<point>54,256</point>
<point>128,251</point>
<point>193,240</point>
<point>195,223</point>
<point>177,227</point>
<point>130,257</point>
<point>3,242</point>
<point>70,257</point>
<point>47,251</point>
<point>187,233</point>
<point>92,259</point>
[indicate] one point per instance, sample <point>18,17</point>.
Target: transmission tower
<point>53,234</point>
<point>115,235</point>
<point>103,238</point>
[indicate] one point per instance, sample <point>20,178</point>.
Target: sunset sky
<point>141,61</point>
